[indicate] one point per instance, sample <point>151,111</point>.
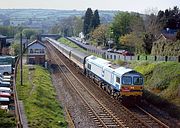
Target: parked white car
<point>5,76</point>
<point>5,69</point>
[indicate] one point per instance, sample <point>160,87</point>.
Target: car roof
<point>5,88</point>
<point>4,99</point>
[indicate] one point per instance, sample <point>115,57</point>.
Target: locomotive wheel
<point>99,84</point>
<point>116,95</point>
<point>103,87</point>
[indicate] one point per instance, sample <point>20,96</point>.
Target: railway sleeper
<point>112,125</point>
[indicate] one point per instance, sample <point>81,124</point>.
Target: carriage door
<point>102,72</point>
<point>112,78</point>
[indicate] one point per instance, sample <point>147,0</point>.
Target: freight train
<point>118,81</point>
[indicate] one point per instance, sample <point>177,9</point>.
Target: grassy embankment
<point>39,98</point>
<point>162,80</point>
<point>73,45</point>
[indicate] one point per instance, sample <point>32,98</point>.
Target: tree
<point>15,49</point>
<point>148,42</point>
<point>134,41</point>
<point>70,26</point>
<point>121,24</point>
<point>137,23</point>
<point>100,35</point>
<point>29,32</point>
<point>55,29</point>
<point>8,30</point>
<point>95,20</point>
<point>178,35</point>
<point>87,21</point>
<point>152,26</point>
<point>77,25</point>
<point>6,22</point>
<point>170,18</point>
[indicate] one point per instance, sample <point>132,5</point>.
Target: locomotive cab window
<point>137,80</point>
<point>118,80</point>
<point>89,66</point>
<point>127,80</point>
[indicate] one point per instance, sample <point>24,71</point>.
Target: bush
<point>162,80</point>
<point>6,120</point>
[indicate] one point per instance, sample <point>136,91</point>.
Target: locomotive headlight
<point>132,87</point>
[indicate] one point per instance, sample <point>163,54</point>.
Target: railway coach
<point>79,59</point>
<point>61,47</point>
<point>118,81</point>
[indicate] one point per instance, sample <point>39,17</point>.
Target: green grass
<point>7,120</point>
<point>73,45</point>
<point>41,107</point>
<point>162,79</point>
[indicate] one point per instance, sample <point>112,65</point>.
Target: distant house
<point>167,37</point>
<point>36,53</point>
<point>166,45</point>
<point>168,34</point>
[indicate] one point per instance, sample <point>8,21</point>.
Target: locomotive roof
<point>109,66</point>
<point>98,61</point>
<point>122,70</point>
<point>118,69</point>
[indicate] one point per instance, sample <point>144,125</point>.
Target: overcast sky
<point>122,5</point>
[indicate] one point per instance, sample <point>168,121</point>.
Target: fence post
<point>138,57</point>
<point>178,58</point>
<point>125,58</point>
<point>146,57</point>
<point>155,58</point>
<point>166,58</point>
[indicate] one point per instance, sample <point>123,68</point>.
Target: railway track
<point>104,116</point>
<point>147,117</point>
<point>19,119</point>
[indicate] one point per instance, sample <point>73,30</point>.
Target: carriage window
<point>118,80</point>
<point>126,80</point>
<point>89,66</point>
<point>137,80</point>
<point>114,57</point>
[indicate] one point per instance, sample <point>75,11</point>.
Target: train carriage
<point>61,47</point>
<point>78,58</point>
<point>65,49</point>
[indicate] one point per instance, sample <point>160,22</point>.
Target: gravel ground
<point>71,101</point>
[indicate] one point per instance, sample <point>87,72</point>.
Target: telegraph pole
<point>21,70</point>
